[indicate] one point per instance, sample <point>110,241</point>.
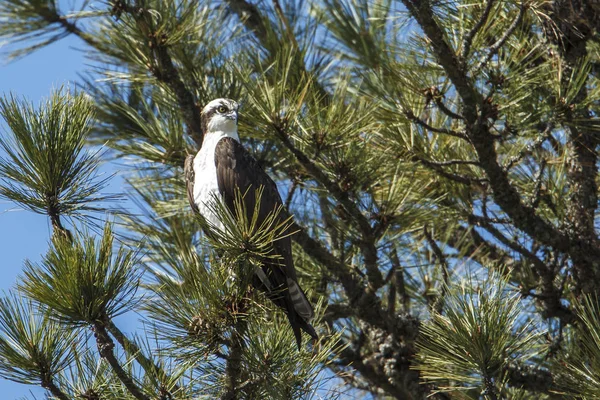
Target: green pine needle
<point>45,167</point>
<point>84,281</point>
<point>33,347</point>
<point>479,334</point>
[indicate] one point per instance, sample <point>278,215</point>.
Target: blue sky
<point>24,234</point>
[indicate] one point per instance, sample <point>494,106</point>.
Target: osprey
<point>221,167</point>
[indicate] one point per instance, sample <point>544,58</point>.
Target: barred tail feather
<point>295,304</point>
<point>299,300</point>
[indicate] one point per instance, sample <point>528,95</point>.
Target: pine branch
<point>106,351</point>
<point>166,71</point>
<point>551,296</point>
<point>34,349</point>
<point>55,390</point>
<point>483,222</point>
<point>259,24</point>
<point>531,147</point>
<point>233,366</point>
<point>68,26</point>
<point>422,12</point>
<point>367,304</point>
<point>505,193</point>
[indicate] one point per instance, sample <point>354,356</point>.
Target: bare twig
<point>454,162</point>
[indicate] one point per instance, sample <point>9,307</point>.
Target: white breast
<point>205,176</point>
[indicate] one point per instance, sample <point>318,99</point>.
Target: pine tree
<point>439,159</point>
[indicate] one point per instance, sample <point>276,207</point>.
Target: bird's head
<point>220,115</point>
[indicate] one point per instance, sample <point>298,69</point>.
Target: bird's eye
<point>222,109</point>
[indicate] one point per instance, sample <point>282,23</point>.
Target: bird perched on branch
<point>224,168</point>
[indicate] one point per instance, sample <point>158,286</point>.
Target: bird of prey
<point>224,168</point>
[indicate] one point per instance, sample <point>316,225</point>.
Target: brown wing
<point>188,172</point>
<point>238,170</point>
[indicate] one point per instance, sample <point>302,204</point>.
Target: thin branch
<point>398,278</point>
<point>453,162</point>
<point>468,40</point>
<point>446,110</point>
<point>363,299</point>
<point>535,199</point>
<point>439,303</point>
<point>290,195</point>
<point>505,194</point>
<point>500,42</point>
<point>413,118</point>
<point>485,223</point>
<point>542,137</point>
<point>166,73</point>
<point>466,180</point>
<point>105,349</point>
<point>132,348</point>
<point>252,19</point>
<point>550,294</point>
<point>342,197</point>
<point>422,12</point>
<point>57,226</point>
<point>338,311</point>
<point>55,390</point>
<point>54,18</point>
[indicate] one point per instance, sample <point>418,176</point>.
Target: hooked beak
<point>232,115</point>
